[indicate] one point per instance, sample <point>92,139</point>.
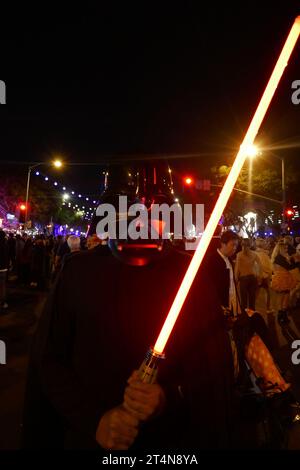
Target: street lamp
<point>283,189</point>
<point>253,152</point>
<point>56,164</point>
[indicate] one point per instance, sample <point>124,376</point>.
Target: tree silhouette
<point>44,204</point>
<point>265,182</point>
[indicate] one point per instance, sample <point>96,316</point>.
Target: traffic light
<point>289,213</point>
<point>188,181</point>
<point>22,209</point>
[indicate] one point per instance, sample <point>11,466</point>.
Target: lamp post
<point>283,188</point>
<point>253,152</point>
<point>56,164</point>
<point>30,168</point>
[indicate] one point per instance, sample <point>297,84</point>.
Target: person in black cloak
<point>103,312</point>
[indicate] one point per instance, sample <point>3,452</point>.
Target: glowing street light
<point>250,150</point>
<point>57,163</point>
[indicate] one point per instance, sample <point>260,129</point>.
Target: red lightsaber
<point>148,368</point>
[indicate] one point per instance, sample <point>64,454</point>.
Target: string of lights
<point>71,199</point>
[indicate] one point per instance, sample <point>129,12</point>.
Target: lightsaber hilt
<point>149,367</point>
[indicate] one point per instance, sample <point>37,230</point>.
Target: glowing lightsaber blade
<point>157,352</point>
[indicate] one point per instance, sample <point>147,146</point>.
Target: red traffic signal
<point>289,212</point>
<point>188,181</point>
<point>22,212</point>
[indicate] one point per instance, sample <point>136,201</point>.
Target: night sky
<point>93,83</point>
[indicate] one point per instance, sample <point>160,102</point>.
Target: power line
<point>250,194</point>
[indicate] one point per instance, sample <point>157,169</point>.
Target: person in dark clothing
<point>19,250</point>
<point>57,243</point>
<point>38,263</point>
<point>83,243</point>
<point>107,307</point>
<point>25,262</point>
<point>289,242</point>
<point>61,251</point>
<point>49,247</point>
<point>218,268</point>
<point>4,251</point>
<point>12,251</point>
<point>4,263</point>
<point>85,352</point>
<point>74,247</point>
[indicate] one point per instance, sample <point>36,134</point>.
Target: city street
<point>19,324</point>
<point>16,329</point>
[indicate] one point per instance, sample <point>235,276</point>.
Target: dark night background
<point>108,81</point>
<point>92,82</point>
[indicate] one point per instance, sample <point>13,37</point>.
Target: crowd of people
<point>34,261</point>
<point>269,264</point>
<point>77,378</point>
<point>260,263</point>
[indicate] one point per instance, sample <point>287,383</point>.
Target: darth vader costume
<point>99,321</point>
